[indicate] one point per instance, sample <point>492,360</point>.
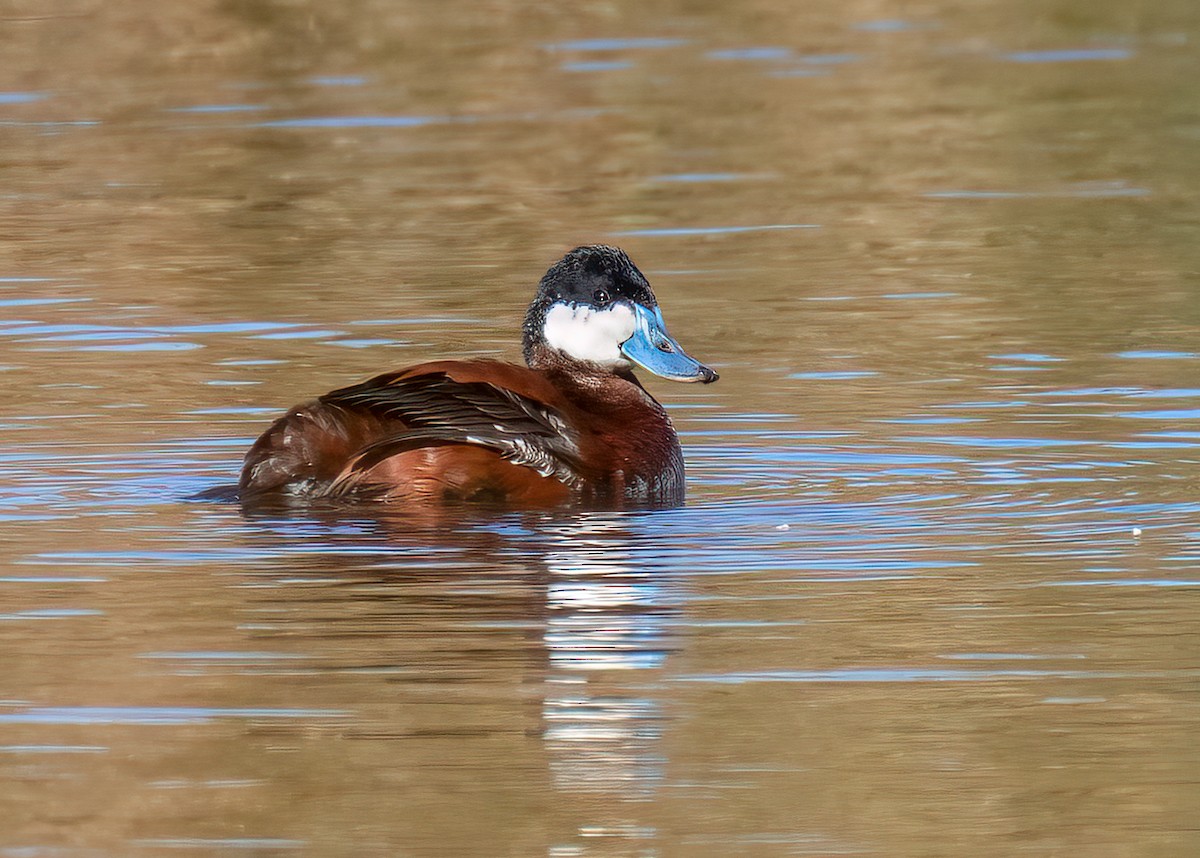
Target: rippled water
<point>935,589</point>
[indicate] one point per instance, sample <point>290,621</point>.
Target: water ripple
<point>616,44</point>
<point>715,230</point>
<point>161,715</point>
<point>1070,55</point>
<point>913,674</point>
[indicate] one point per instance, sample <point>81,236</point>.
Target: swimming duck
<point>574,424</point>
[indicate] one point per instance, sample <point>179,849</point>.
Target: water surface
<point>935,589</point>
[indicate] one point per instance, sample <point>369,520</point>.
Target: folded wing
<point>432,409</point>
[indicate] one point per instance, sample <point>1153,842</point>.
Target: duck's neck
<point>589,385</point>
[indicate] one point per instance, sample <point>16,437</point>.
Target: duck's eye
<point>600,297</point>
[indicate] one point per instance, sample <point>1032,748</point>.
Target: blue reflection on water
<point>152,714</point>
<point>597,66</point>
<point>715,230</point>
<point>339,80</point>
<point>1028,357</point>
<point>829,59</point>
<point>220,843</point>
<point>50,614</point>
<point>761,53</point>
<point>1070,55</point>
<point>354,122</point>
<point>1155,354</point>
<point>218,108</point>
<point>625,44</point>
<point>1122,582</point>
<point>909,674</point>
<point>833,376</point>
<point>1165,414</point>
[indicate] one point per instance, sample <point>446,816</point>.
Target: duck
<point>572,425</point>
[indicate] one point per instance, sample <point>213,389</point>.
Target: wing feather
<point>437,410</point>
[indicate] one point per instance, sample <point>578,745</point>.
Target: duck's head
<point>594,306</point>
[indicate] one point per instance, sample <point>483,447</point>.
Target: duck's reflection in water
<point>606,612</point>
<point>483,610</point>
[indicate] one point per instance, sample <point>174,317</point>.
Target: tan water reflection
<point>935,590</point>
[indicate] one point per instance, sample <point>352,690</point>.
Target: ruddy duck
<point>575,424</point>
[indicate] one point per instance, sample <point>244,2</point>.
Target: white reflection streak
<point>605,613</point>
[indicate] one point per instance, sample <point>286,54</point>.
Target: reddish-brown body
<point>597,436</point>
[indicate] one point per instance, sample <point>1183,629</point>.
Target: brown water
<point>935,591</point>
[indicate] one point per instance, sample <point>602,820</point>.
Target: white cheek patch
<point>589,334</point>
